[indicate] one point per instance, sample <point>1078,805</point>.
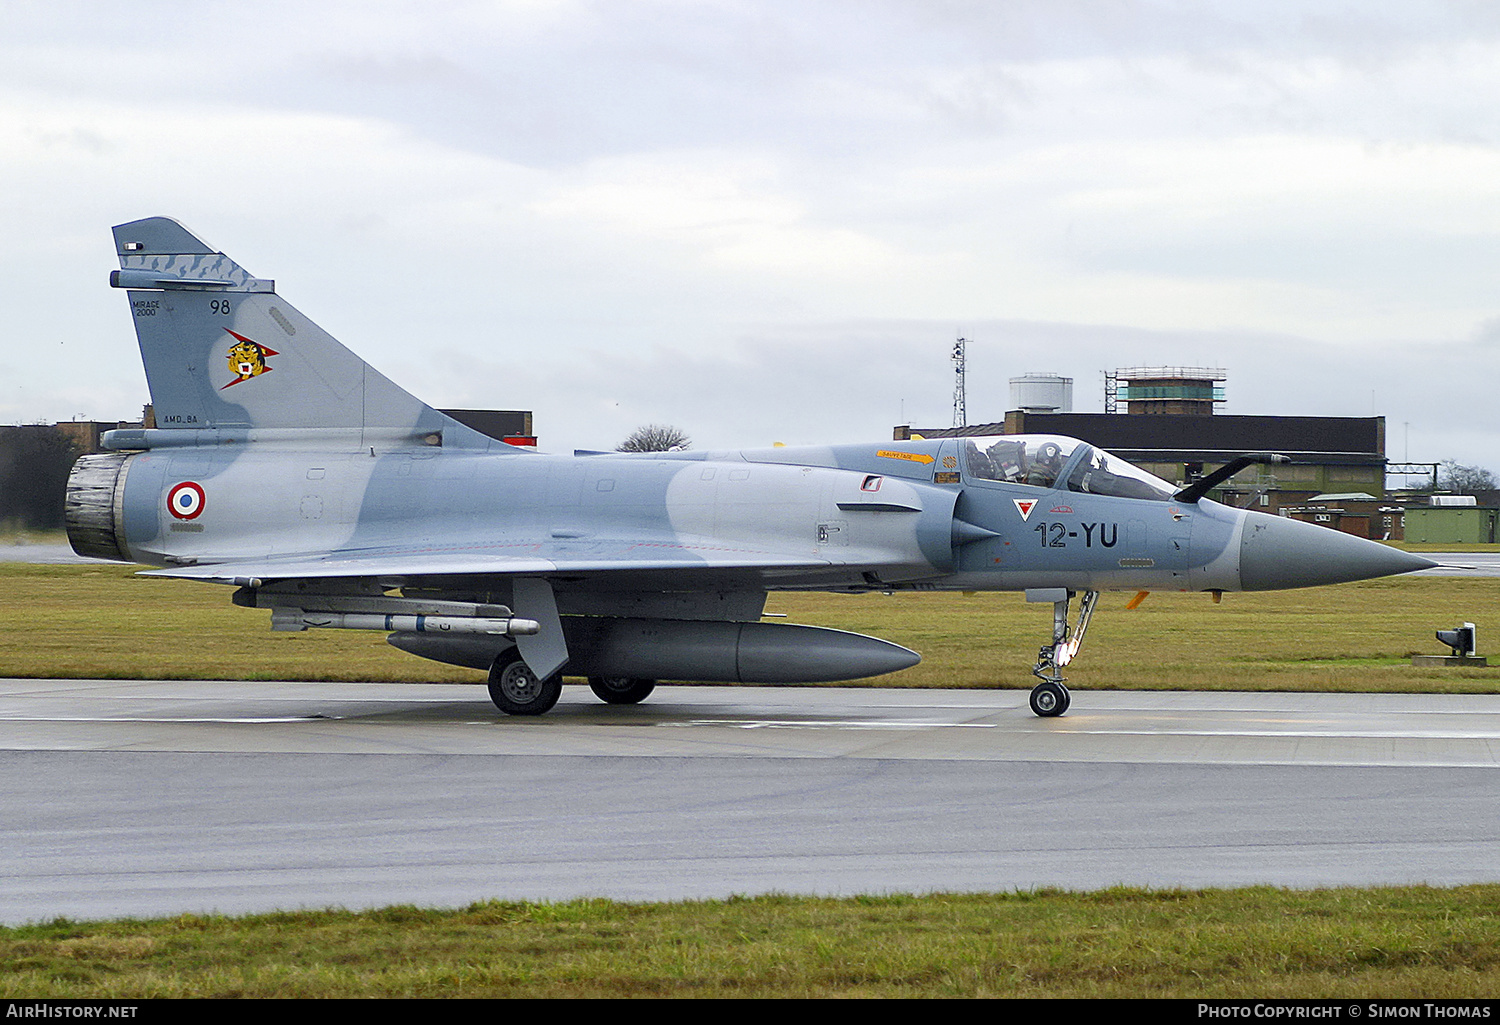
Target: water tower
<point>1041,393</point>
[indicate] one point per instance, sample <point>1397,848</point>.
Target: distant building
<point>1172,391</point>
<point>1453,524</point>
<point>84,435</point>
<point>512,426</point>
<point>1354,512</point>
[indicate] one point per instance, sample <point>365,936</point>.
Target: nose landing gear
<point>1050,698</point>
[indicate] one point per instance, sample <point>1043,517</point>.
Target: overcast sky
<point>767,221</point>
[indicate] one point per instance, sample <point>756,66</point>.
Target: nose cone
<point>1277,553</point>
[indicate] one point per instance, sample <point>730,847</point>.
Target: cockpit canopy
<point>1051,461</point>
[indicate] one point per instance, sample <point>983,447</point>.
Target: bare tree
<point>655,438</point>
<point>1466,480</point>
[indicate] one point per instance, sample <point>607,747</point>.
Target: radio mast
<point>960,409</point>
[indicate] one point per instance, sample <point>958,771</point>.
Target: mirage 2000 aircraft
<point>285,466</point>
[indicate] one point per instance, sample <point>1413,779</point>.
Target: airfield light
<point>1461,639</point>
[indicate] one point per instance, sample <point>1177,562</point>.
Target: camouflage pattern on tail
<point>223,351</point>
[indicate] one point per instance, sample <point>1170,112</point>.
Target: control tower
<point>1191,391</point>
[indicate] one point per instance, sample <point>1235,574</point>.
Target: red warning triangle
<point>1024,506</point>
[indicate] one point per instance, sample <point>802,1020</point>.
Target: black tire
<point>1050,699</point>
<point>621,690</point>
<point>515,689</point>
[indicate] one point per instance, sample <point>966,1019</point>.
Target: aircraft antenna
<point>960,408</point>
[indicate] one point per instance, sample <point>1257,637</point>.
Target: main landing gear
<point>515,689</point>
<point>1050,697</point>
<point>621,690</point>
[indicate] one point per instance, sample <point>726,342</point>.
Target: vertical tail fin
<point>223,350</point>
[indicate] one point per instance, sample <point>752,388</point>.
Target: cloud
<point>771,219</point>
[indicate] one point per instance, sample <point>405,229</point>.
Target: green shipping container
<point>1452,525</point>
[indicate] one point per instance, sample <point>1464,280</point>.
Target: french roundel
<point>185,501</point>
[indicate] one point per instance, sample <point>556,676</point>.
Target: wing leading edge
<point>508,560</point>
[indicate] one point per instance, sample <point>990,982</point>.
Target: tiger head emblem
<point>247,359</point>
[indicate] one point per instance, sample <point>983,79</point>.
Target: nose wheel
<point>1050,698</point>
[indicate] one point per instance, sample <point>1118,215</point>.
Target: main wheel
<point>1049,699</point>
<point>515,689</point>
<point>621,690</point>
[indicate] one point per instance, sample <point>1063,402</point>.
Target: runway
<point>1462,564</point>
<point>151,798</point>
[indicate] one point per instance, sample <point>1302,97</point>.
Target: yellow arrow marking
<point>911,457</point>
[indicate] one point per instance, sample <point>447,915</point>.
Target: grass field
<point>103,621</point>
<point>1259,942</point>
<point>107,622</point>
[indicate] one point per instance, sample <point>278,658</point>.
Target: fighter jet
<point>283,465</point>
